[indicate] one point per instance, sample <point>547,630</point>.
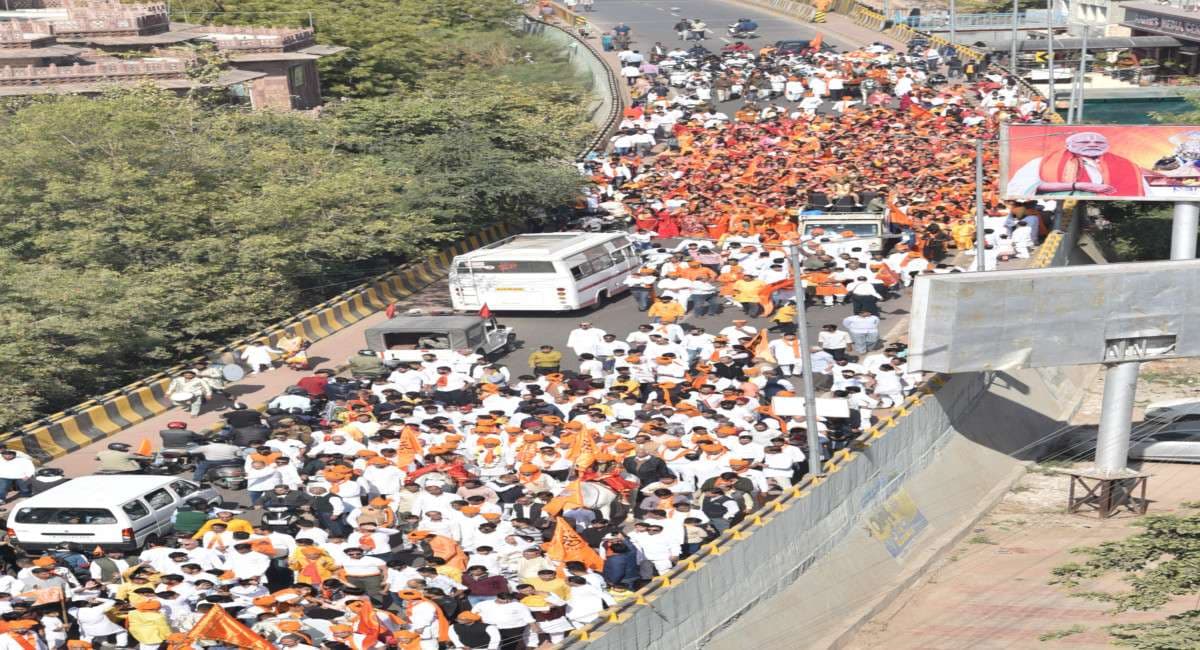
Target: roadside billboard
<point>1100,162</point>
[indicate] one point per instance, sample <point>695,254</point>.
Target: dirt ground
<point>1158,380</point>
<point>991,591</point>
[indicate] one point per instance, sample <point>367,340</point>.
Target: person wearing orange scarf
<point>312,565</point>
<point>425,618</point>
<point>440,546</point>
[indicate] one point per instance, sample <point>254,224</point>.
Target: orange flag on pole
<point>568,546</point>
<point>759,346</point>
<point>568,499</point>
<point>583,449</point>
<point>764,296</point>
<point>409,446</point>
<point>145,448</point>
<point>218,625</point>
<point>815,43</point>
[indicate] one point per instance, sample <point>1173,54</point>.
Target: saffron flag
<point>896,215</point>
<point>484,311</point>
<point>568,499</point>
<point>368,624</point>
<point>145,448</point>
<point>409,447</point>
<point>764,296</point>
<point>583,449</point>
<point>815,44</point>
<point>568,546</point>
<point>759,346</point>
<point>218,625</point>
<point>47,596</point>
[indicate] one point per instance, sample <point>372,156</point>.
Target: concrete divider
<point>793,8</point>
<point>61,433</point>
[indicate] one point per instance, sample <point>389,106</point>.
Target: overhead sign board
<point>968,322</point>
<point>826,407</point>
<point>1100,162</point>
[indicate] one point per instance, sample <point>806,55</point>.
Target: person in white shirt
<point>510,617</point>
<point>261,478</point>
<point>658,549</point>
<point>94,621</point>
<point>16,473</point>
<point>834,341</point>
<point>245,562</point>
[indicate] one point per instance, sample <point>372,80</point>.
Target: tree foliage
<point>1159,564</point>
<point>392,44</point>
<point>141,228</point>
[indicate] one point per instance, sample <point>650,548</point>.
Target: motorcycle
<point>735,32</point>
<point>228,477</point>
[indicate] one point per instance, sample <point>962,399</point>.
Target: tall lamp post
<point>815,466</point>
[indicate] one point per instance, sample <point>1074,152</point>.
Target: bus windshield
<point>500,267</point>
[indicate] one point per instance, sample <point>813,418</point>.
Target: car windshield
<point>836,229</point>
<point>67,516</point>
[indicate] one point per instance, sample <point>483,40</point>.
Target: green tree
<point>392,43</point>
<point>1160,564</point>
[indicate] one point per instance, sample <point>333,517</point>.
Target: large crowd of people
<point>457,503</point>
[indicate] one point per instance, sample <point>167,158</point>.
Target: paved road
<point>651,20</point>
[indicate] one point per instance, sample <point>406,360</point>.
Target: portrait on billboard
<point>1101,162</point>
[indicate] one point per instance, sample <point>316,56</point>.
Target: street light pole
<point>980,248</point>
<point>1012,54</point>
<point>815,466</point>
<point>953,22</point>
<point>1050,53</point>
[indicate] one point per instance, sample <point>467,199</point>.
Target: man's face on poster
<point>1087,144</point>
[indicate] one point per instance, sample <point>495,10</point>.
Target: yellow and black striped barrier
<point>818,16</point>
<point>63,432</point>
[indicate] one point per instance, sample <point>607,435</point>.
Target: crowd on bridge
<point>454,503</point>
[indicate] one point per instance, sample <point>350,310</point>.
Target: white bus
<point>543,272</point>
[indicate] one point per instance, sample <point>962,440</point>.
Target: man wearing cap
<point>470,632</point>
<point>148,624</point>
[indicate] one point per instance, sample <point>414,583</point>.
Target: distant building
<point>86,46</point>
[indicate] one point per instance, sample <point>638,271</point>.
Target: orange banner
<point>218,625</point>
<point>1097,162</point>
<point>568,546</point>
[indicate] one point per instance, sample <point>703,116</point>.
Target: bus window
<point>581,270</point>
<point>498,267</point>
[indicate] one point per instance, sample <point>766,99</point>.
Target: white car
<point>1172,409</point>
<point>112,511</point>
<point>1176,443</point>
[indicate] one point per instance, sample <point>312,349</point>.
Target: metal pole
<point>1071,102</point>
<point>815,466</point>
<point>1050,52</point>
<point>980,249</point>
<point>1120,380</point>
<point>1112,441</point>
<point>953,22</point>
<point>1183,230</point>
<point>1012,54</point>
<point>1082,74</point>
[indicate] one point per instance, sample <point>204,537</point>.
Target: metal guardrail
<point>95,419</point>
<point>616,101</point>
<point>1025,20</point>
